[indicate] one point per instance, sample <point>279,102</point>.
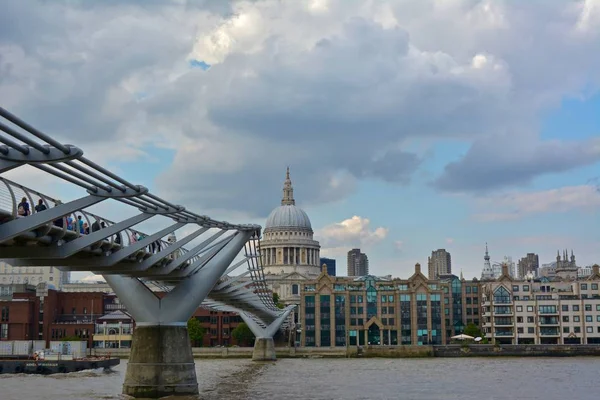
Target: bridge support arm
<point>264,346</point>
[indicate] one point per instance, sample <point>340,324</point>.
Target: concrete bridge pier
<point>161,361</point>
<point>264,346</point>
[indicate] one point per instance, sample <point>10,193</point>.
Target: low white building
<point>33,275</point>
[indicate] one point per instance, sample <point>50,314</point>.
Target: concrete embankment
<point>391,351</point>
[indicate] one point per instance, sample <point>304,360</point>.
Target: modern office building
<point>369,310</point>
<point>544,310</point>
<point>330,263</point>
<point>440,263</point>
<point>357,263</point>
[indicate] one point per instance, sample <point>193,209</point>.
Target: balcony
<point>546,321</point>
<point>503,322</point>
<point>504,333</point>
<point>549,332</point>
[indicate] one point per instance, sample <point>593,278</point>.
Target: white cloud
<point>513,206</point>
<point>337,87</point>
<point>351,233</point>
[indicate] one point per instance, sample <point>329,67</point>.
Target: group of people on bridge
<point>81,226</point>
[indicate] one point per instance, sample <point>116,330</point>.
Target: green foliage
<point>472,330</point>
<point>72,339</point>
<point>276,300</point>
<point>196,332</point>
<point>243,335</point>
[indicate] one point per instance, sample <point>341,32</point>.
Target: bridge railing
<point>12,193</point>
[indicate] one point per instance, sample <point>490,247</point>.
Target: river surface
<point>348,379</point>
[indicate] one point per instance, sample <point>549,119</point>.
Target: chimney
<point>417,268</point>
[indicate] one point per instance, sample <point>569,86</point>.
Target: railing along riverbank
<point>541,350</point>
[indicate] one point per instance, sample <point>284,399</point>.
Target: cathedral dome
<point>288,216</point>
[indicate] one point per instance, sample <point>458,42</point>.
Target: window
<point>584,286</point>
<point>589,329</point>
<point>576,318</point>
<point>515,288</point>
<point>529,308</point>
<point>597,307</point>
<point>501,295</point>
<point>519,308</point>
<point>4,331</point>
<point>530,330</point>
<point>384,298</point>
<point>390,298</point>
<point>85,310</point>
<point>565,329</point>
<point>575,308</point>
<point>594,286</point>
<point>588,307</point>
<point>4,314</point>
<point>520,330</point>
<point>294,289</point>
<point>530,320</point>
<point>588,318</point>
<point>565,318</point>
<point>565,307</point>
<point>577,329</point>
<point>526,288</point>
<point>520,320</point>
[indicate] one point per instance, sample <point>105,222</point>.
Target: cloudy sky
<point>409,125</point>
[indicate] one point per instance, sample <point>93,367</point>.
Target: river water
<point>348,379</point>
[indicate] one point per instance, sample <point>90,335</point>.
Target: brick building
<point>43,313</point>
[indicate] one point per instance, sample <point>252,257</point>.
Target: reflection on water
<point>422,379</point>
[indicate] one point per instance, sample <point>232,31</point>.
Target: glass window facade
<point>340,320</point>
<point>325,320</point>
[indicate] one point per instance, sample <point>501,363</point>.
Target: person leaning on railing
<point>40,206</point>
<point>23,209</point>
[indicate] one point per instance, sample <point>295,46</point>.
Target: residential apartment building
<point>358,263</point>
<point>440,263</point>
<point>369,310</point>
<point>542,311</point>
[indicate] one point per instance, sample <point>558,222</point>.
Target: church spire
<point>288,190</point>
<point>487,254</point>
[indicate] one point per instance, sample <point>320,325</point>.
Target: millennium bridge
<point>132,261</point>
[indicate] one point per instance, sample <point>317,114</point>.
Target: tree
<point>196,332</point>
<point>243,335</point>
<point>276,300</point>
<point>472,330</point>
<point>72,339</point>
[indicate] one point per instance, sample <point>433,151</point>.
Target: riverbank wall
<point>479,350</point>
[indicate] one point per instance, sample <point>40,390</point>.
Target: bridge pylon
<point>161,361</point>
<point>264,346</point>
